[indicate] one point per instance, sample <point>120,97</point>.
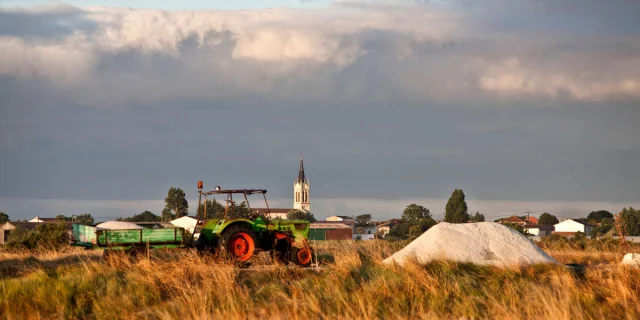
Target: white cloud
<point>511,77</point>
<point>343,51</point>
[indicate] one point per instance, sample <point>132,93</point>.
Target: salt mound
<point>631,259</point>
<point>112,225</point>
<point>485,243</point>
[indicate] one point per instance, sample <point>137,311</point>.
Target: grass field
<point>352,284</point>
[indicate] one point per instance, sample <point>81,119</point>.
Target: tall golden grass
<point>352,284</point>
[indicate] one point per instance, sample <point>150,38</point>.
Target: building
<point>341,219</point>
<point>513,220</point>
<point>539,230</point>
<point>186,222</point>
<point>531,220</point>
<point>42,220</point>
<point>325,230</point>
<point>301,190</point>
<point>9,226</point>
<point>383,228</point>
<point>301,199</point>
<point>570,227</point>
<point>364,233</point>
<point>276,213</point>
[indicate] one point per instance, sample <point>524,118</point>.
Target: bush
<point>45,236</point>
<point>579,242</point>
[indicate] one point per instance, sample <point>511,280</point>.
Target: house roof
<point>343,217</point>
<point>583,222</point>
<point>329,225</point>
<point>301,176</point>
<point>10,225</point>
<point>513,219</point>
<point>532,220</point>
<point>45,219</point>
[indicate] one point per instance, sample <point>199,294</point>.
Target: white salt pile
<point>485,243</point>
<point>631,259</point>
<point>114,225</point>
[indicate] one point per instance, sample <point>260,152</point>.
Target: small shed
<point>327,230</point>
<point>9,226</point>
<point>5,229</point>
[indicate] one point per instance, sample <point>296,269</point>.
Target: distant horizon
<point>526,106</point>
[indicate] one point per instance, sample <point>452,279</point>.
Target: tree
<point>167,215</point>
<point>456,209</point>
<point>414,213</point>
<point>176,201</point>
<point>547,219</point>
<point>415,220</point>
<point>215,210</point>
<point>85,218</point>
<point>62,217</point>
<point>516,227</point>
<point>4,218</point>
<point>301,215</point>
<point>478,217</point>
<point>145,216</point>
<point>597,216</point>
<point>629,220</point>
<point>363,220</point>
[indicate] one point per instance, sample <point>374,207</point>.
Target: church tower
<point>301,190</point>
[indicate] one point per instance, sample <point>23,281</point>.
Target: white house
<point>570,226</point>
<point>340,218</point>
<point>186,222</point>
<point>539,230</point>
<point>41,220</point>
<point>364,233</point>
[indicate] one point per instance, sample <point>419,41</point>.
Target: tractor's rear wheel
<point>302,256</point>
<point>238,242</point>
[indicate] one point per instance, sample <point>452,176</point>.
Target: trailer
<point>131,241</point>
<point>232,235</point>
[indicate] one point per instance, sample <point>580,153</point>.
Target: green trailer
<point>131,240</point>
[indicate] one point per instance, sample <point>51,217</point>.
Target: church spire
<point>301,176</point>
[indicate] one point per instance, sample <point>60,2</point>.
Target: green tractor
<point>240,234</point>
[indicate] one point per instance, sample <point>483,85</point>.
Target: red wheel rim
<point>304,256</point>
<point>241,246</point>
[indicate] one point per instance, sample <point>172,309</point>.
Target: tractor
<point>240,234</point>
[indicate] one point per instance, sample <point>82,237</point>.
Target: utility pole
<point>526,223</point>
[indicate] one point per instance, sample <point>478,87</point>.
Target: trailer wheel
<point>302,256</point>
<point>238,242</point>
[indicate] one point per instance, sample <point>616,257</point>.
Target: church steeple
<point>301,189</point>
<point>301,176</point>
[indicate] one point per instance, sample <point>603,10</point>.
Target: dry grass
<point>351,285</point>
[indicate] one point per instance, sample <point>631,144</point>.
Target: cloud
<point>346,51</point>
<point>511,77</point>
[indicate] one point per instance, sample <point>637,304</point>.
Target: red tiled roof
<point>532,220</point>
<point>513,219</point>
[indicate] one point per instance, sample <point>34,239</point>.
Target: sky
<point>525,105</point>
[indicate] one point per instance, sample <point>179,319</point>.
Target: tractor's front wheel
<point>302,256</point>
<point>238,242</point>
